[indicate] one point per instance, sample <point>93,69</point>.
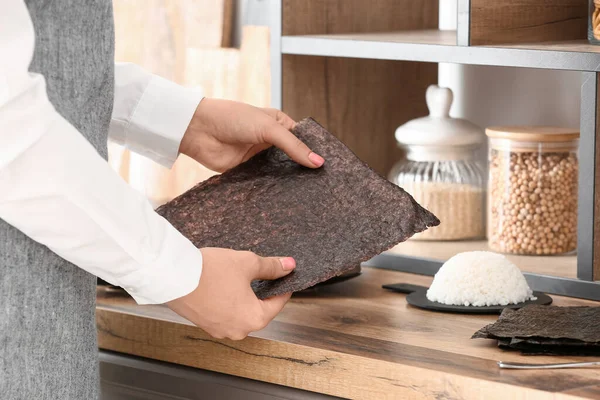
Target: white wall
<point>509,96</point>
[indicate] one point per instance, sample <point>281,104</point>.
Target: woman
<point>66,217</point>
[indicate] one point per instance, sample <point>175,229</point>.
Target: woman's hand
<point>224,305</point>
<point>223,134</point>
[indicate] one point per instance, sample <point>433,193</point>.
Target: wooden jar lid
<point>543,134</point>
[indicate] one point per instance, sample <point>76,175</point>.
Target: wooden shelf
<point>440,46</point>
<point>424,36</point>
<point>574,46</point>
<point>352,340</point>
<point>562,265</point>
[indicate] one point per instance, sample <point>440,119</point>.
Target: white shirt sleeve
<point>56,189</point>
<point>150,113</point>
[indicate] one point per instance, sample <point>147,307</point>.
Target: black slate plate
<point>417,298</point>
<point>353,273</point>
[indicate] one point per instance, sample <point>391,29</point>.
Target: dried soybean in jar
<point>533,175</point>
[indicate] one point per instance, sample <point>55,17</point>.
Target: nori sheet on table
<point>549,322</point>
<point>329,219</point>
<point>537,330</point>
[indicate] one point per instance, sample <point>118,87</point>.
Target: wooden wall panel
<point>316,17</point>
<point>361,101</point>
<point>527,21</point>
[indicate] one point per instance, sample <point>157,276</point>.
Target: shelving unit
<point>365,48</point>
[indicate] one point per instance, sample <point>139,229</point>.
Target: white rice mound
<point>479,278</point>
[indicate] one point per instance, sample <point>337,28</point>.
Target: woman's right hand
<point>224,305</point>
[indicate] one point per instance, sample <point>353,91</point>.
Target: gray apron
<point>48,346</point>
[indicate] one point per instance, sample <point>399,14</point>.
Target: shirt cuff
<point>175,273</point>
<point>156,124</point>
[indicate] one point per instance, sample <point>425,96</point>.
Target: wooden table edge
<point>303,367</point>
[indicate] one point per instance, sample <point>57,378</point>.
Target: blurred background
<point>222,46</point>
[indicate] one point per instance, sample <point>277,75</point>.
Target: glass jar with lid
<point>441,171</point>
<point>533,176</point>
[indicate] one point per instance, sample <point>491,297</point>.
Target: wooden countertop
<point>353,340</point>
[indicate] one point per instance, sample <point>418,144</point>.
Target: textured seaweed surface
<point>329,219</point>
<point>547,330</point>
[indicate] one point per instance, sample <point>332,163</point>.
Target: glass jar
<point>533,176</point>
<point>594,22</point>
<point>441,172</point>
<point>453,190</point>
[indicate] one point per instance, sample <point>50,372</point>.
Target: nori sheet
<point>546,330</point>
<point>547,322</point>
<point>329,219</point>
<point>554,347</point>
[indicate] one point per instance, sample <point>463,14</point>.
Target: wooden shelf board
<point>448,38</point>
<point>425,36</point>
<point>562,265</point>
<point>440,46</point>
<point>578,46</point>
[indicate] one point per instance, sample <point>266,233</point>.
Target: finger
<point>273,306</point>
<point>255,150</point>
<point>282,118</point>
<point>280,137</point>
<point>273,267</point>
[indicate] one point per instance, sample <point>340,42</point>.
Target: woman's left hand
<point>223,134</point>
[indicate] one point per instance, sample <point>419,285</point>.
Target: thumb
<point>274,267</point>
<point>272,306</point>
<point>280,137</point>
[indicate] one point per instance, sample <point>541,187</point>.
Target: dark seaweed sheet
<point>329,219</point>
<point>555,347</point>
<point>550,322</point>
<point>537,341</point>
<point>547,330</point>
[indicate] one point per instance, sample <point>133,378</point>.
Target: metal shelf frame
<point>588,63</point>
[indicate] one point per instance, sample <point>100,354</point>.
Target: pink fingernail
<point>288,263</point>
<point>316,159</point>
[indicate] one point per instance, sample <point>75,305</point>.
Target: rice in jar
<point>441,171</point>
